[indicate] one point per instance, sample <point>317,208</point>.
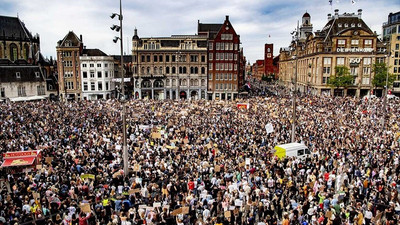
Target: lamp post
<point>119,28</point>
<point>296,39</point>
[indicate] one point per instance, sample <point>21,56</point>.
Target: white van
<point>291,150</point>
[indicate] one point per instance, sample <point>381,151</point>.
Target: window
<point>367,61</point>
<point>41,90</point>
<point>210,76</point>
<point>99,65</point>
<point>397,47</point>
<point>85,86</point>
<point>107,86</point>
<point>84,65</point>
<point>155,58</point>
<point>339,25</point>
<point>210,56</point>
<point>100,86</point>
<point>354,42</point>
<point>18,75</point>
<point>167,58</point>
<point>106,64</point>
<point>173,58</point>
<point>99,75</point>
<point>13,52</point>
<point>210,66</point>
<point>340,61</point>
<point>92,86</point>
<point>91,65</point>
<point>217,46</point>
<point>203,58</point>
<point>142,58</point>
<point>70,85</point>
<point>148,58</point>
<point>217,76</point>
<point>91,74</point>
<point>160,58</point>
<point>366,70</point>
<point>230,76</point>
<point>210,46</point>
<point>346,25</point>
<point>2,92</point>
<point>354,71</point>
<point>327,70</point>
<point>234,77</point>
<point>300,152</point>
<point>341,42</point>
<point>353,25</point>
<point>21,91</point>
<point>367,42</point>
<point>84,74</point>
<point>105,73</point>
<point>359,25</point>
<point>327,61</point>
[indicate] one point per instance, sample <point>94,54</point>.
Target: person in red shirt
<point>83,220</point>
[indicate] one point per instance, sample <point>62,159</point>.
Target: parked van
<point>291,150</point>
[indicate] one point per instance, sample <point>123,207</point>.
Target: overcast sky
<point>253,20</point>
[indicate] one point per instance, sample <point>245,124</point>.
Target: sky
<point>256,21</point>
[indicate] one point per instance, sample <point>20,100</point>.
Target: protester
<point>207,157</point>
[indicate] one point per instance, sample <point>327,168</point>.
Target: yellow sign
<point>19,162</point>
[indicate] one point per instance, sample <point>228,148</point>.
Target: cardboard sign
<point>183,128</point>
<point>85,207</point>
<point>242,164</point>
<point>136,168</point>
<point>48,160</point>
<point>227,214</point>
<point>170,147</point>
<point>238,202</point>
<point>185,210</point>
<point>88,176</point>
<point>176,212</point>
<point>39,167</point>
<point>133,191</point>
<point>156,204</point>
<point>208,146</point>
<point>156,135</point>
<point>217,168</point>
<point>185,141</point>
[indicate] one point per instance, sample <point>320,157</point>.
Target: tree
<point>381,71</point>
<point>341,78</point>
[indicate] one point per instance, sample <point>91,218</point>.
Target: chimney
<point>336,13</point>
<point>227,17</point>
<point>359,13</point>
<point>81,38</point>
<point>329,16</point>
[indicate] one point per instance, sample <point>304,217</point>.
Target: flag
<point>330,2</point>
<point>269,35</point>
<point>353,2</point>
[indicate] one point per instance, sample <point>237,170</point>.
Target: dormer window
<point>346,25</point>
<point>353,25</point>
<point>18,75</point>
<point>339,25</point>
<point>359,25</point>
<point>37,75</point>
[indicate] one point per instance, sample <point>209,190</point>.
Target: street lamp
<point>119,29</point>
<point>386,91</point>
<point>296,39</point>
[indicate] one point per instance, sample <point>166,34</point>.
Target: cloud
<point>253,20</point>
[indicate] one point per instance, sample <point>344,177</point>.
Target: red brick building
<point>268,65</point>
<point>225,60</point>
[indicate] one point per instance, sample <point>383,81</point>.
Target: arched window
<point>158,84</point>
<point>196,70</point>
<point>180,70</point>
<point>203,70</point>
<point>146,84</point>
<point>13,52</point>
<point>142,72</point>
<point>184,70</point>
<point>26,51</point>
<point>203,82</point>
<point>167,70</point>
<point>173,69</point>
<point>191,70</point>
<point>137,84</point>
<point>196,82</point>
<point>148,70</point>
<point>160,70</point>
<point>155,70</point>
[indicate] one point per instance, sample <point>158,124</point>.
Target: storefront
<point>17,162</point>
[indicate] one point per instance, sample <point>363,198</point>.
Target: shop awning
<point>22,161</point>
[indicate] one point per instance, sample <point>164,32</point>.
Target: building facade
<point>97,73</point>
<point>391,36</point>
<point>69,49</point>
<point>21,76</point>
<point>170,67</point>
<point>344,41</point>
<point>226,63</point>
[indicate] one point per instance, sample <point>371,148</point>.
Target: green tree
<point>381,71</point>
<point>341,78</point>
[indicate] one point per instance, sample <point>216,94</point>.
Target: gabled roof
<point>93,52</point>
<point>13,28</point>
<point>334,28</point>
<point>72,38</point>
<point>27,73</point>
<point>211,29</point>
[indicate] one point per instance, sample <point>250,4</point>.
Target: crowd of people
<point>202,162</point>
